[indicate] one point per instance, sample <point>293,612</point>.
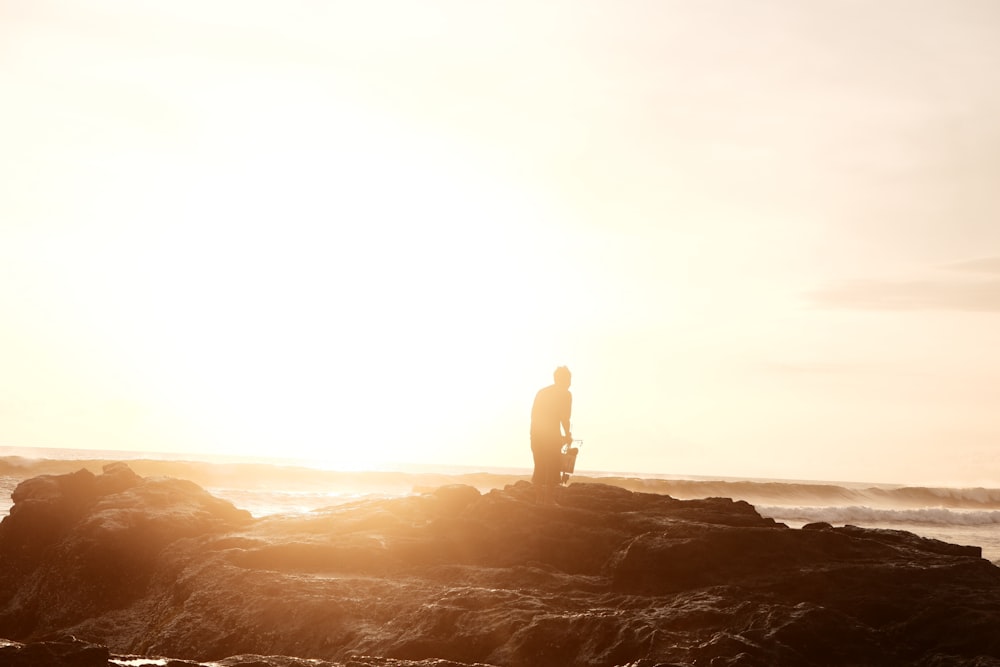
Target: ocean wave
<point>872,515</point>
<point>793,494</point>
<point>289,478</point>
<point>264,503</point>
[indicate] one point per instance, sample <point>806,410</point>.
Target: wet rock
<point>57,652</point>
<point>77,546</point>
<point>454,577</point>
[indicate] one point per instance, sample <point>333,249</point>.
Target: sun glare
<point>327,301</point>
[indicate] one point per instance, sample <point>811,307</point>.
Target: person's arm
<point>565,420</point>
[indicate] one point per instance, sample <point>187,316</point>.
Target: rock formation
<point>158,567</point>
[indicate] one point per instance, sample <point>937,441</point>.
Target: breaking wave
<point>874,515</point>
<point>816,494</point>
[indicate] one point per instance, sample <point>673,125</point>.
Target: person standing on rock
<point>549,432</point>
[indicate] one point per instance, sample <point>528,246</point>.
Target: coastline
<point>268,487</point>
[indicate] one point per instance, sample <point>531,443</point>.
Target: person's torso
<point>551,407</point>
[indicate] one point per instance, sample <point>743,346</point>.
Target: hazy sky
<point>765,236</point>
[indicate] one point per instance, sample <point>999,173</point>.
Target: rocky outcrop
<point>56,652</point>
<point>76,546</point>
<point>159,567</point>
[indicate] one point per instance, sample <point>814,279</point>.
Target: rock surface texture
<point>99,566</point>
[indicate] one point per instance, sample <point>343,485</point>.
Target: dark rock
<point>818,525</point>
<point>117,477</point>
<point>44,508</point>
<point>58,652</point>
<point>77,546</point>
<point>453,578</point>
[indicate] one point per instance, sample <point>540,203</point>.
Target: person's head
<point>562,377</point>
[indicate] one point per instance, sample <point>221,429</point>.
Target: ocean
<point>969,516</point>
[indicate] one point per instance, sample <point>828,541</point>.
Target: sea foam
<point>860,514</point>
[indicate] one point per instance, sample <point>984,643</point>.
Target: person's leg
<point>539,473</point>
<point>553,473</point>
<point>539,459</point>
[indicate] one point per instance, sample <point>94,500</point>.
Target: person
<point>549,432</point>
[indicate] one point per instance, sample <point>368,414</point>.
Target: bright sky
<point>765,237</point>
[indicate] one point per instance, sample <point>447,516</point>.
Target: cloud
<point>941,294</point>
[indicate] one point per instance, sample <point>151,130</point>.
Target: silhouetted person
<point>549,432</point>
